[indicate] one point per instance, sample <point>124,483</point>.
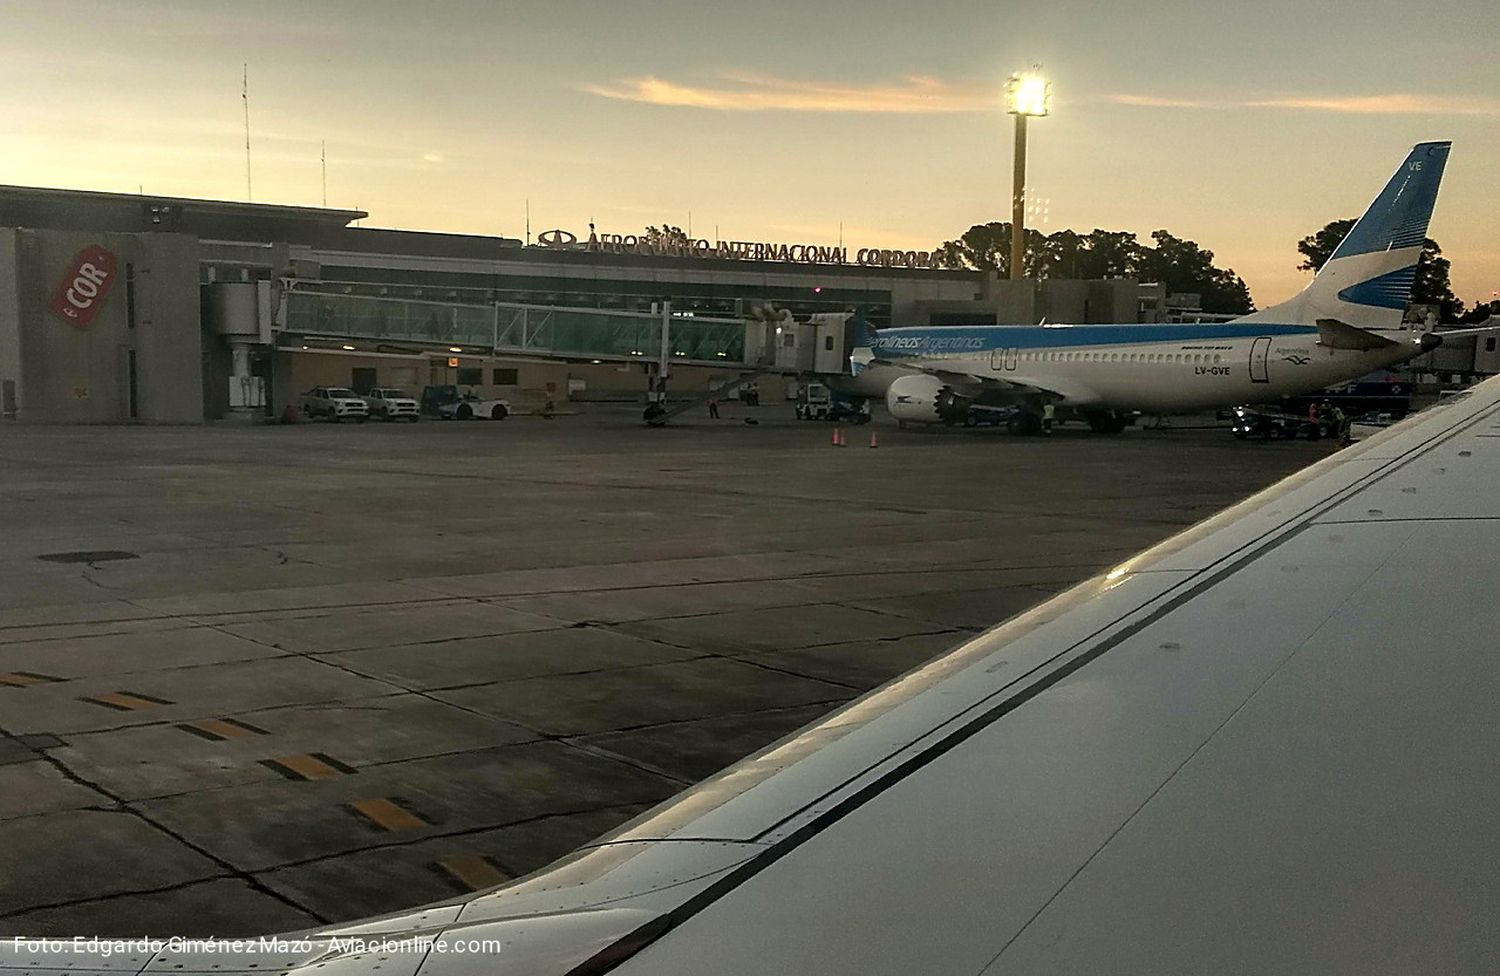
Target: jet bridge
<point>310,310</point>
<point>766,341</point>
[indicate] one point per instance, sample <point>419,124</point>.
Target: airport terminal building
<point>133,308</point>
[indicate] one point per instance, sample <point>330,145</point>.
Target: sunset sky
<point>1243,127</point>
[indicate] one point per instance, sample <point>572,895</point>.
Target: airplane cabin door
<point>1260,351</point>
<point>1003,359</point>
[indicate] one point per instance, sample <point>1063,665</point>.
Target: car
<point>389,403</point>
<point>445,401</point>
<point>334,402</point>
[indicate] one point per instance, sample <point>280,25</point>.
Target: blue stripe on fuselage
<point>948,340</point>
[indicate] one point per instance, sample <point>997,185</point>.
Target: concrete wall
<point>69,373</point>
<point>1031,300</point>
<point>10,324</point>
<point>297,371</point>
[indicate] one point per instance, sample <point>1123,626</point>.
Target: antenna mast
<point>245,95</point>
<point>324,158</point>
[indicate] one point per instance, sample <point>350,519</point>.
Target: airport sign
<point>84,286</point>
<point>689,247</point>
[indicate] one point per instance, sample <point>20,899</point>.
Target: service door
<point>1002,359</point>
<point>1011,356</point>
<point>1260,351</point>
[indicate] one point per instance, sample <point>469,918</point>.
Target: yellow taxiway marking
<point>312,766</point>
<point>219,729</point>
<point>387,814</point>
<point>22,679</point>
<point>125,701</point>
<point>472,871</point>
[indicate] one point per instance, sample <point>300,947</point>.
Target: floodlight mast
<point>1027,95</point>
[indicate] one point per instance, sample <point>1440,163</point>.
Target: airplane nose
<point>1430,341</point>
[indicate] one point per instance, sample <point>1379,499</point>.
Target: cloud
<point>1153,101</point>
<point>749,93</point>
<point>1390,104</point>
<point>1405,104</point>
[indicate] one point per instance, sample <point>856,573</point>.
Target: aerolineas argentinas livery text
<point>929,343</point>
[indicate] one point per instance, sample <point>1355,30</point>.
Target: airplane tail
<point>864,344</point>
<point>1367,281</point>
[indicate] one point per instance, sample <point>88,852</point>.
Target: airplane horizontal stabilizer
<point>1341,335</point>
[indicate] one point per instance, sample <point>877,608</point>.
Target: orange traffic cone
<point>873,442</point>
<point>835,437</point>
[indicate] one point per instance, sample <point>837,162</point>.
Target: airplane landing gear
<point>1105,421</point>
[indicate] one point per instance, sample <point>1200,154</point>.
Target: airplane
<point>1344,324</point>
<point>1266,745</point>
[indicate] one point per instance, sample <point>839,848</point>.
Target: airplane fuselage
<point>1151,368</point>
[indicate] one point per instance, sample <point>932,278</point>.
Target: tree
<point>986,247</point>
<point>1317,248</point>
<point>1480,312</point>
<point>1183,266</point>
<point>666,236</point>
<point>1430,287</point>
<point>1180,264</point>
<point>1109,254</point>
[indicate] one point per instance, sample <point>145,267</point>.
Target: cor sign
<point>84,286</point>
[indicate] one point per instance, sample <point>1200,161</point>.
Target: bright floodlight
<point>1028,93</point>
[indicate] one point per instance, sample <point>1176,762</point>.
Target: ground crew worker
<point>1049,412</point>
<point>1341,425</point>
<point>713,407</point>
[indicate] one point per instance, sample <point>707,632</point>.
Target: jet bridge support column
<point>656,392</point>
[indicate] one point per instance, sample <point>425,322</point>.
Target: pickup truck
<point>389,403</point>
<point>334,402</point>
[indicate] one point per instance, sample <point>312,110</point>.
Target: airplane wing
<point>1265,745</point>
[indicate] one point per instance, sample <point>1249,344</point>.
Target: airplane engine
<point>925,400</point>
